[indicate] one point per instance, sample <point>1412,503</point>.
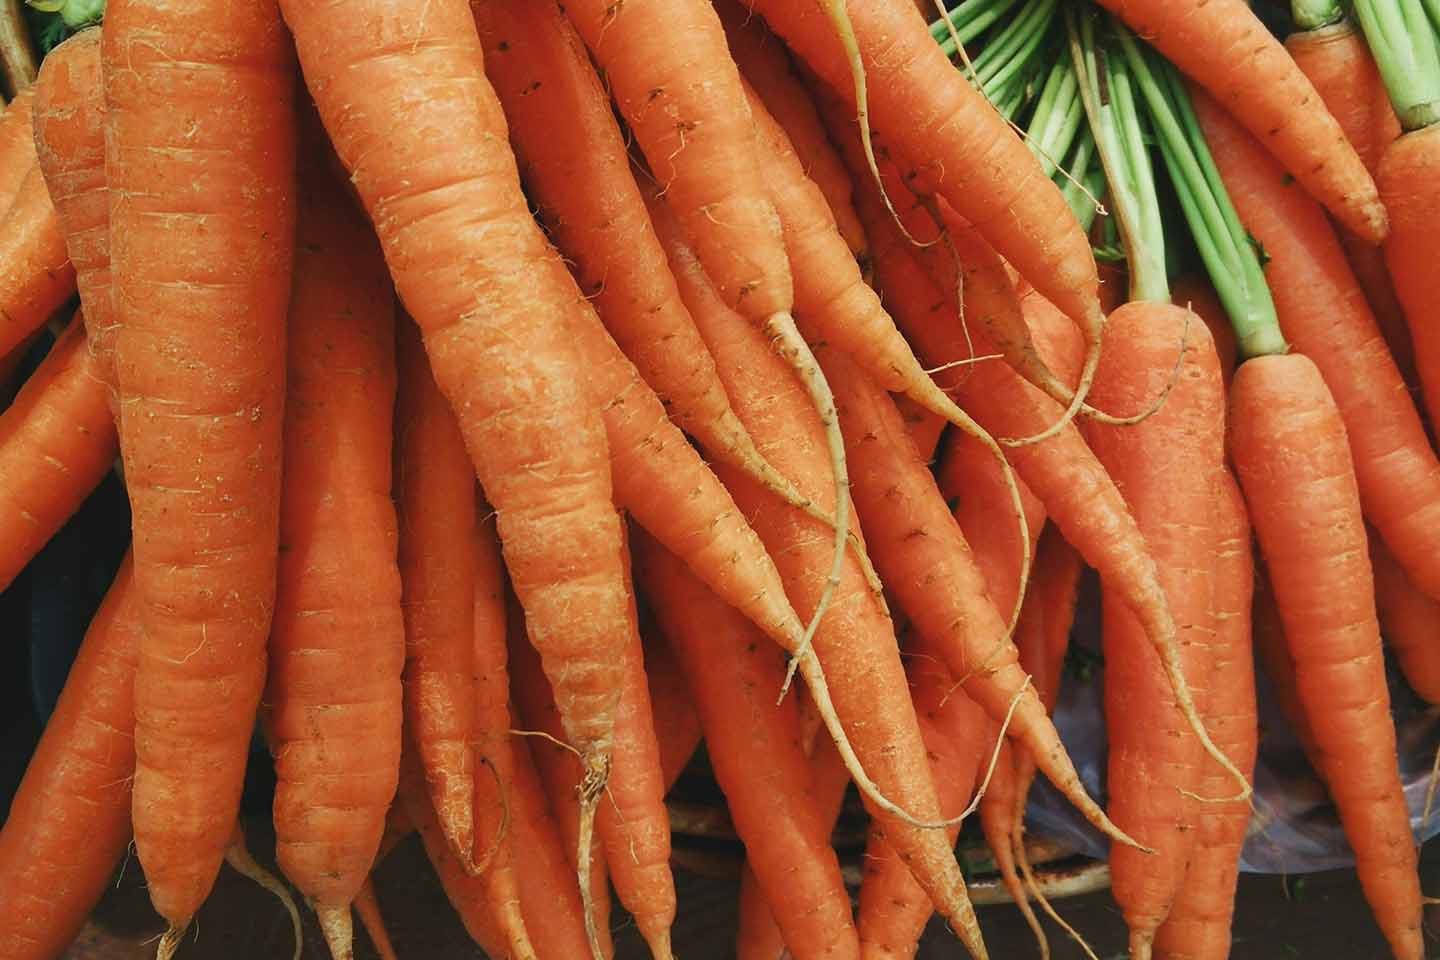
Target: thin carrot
<point>757,936</point>
<point>493,301</point>
<point>57,442</point>
<point>677,724</point>
<point>367,908</point>
<point>337,641</point>
<point>1223,46</point>
<point>1281,410</point>
<point>925,428</point>
<point>16,145</point>
<point>435,499</point>
<point>754,747</point>
<point>69,135</point>
<point>1323,312</point>
<point>1198,927</point>
<point>69,822</point>
<point>1408,619</point>
<point>1273,653</point>
<point>201,393</point>
<point>36,277</point>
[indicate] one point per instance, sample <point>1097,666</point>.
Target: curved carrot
<point>1198,927</point>
<point>367,908</point>
<point>57,442</point>
<point>1272,650</point>
<point>757,936</point>
<point>1323,313</point>
<point>69,822</point>
<point>1282,412</point>
<point>677,724</point>
<point>16,145</point>
<point>69,124</point>
<point>754,747</point>
<point>1407,622</point>
<point>36,277</point>
<point>337,640</point>
<point>198,371</point>
<point>1223,46</point>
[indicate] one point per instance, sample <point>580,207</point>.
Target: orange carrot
<point>70,141</point>
<point>755,749</point>
<point>494,302</point>
<point>367,908</point>
<point>758,937</point>
<point>1408,619</point>
<point>57,442</point>
<point>677,724</point>
<point>435,498</point>
<point>1195,292</point>
<point>925,428</point>
<point>337,641</point>
<point>1223,46</point>
<point>1323,313</point>
<point>16,145</point>
<point>69,823</point>
<point>198,371</point>
<point>1198,927</point>
<point>1273,652</point>
<point>1282,412</point>
<point>36,277</point>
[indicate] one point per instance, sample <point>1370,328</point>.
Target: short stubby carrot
<point>57,442</point>
<point>1223,46</point>
<point>337,641</point>
<point>1407,621</point>
<point>69,822</point>
<point>70,141</point>
<point>1288,442</point>
<point>36,277</point>
<point>1198,927</point>
<point>1324,314</point>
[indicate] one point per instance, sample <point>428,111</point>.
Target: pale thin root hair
<point>1016,887</point>
<point>590,788</point>
<point>1430,790</point>
<point>968,361</point>
<point>170,942</point>
<point>1022,857</point>
<point>994,756</point>
<point>545,736</point>
<point>240,860</point>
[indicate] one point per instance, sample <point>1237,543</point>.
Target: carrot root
<point>336,925</point>
<point>240,860</point>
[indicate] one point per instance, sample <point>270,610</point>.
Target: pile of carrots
<point>511,394</point>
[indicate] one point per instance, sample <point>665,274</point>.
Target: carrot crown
<point>1314,14</point>
<point>1401,35</point>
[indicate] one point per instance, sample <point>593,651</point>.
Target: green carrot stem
<point>969,20</point>
<point>1314,14</point>
<point>1058,117</point>
<point>1403,40</point>
<point>1083,181</point>
<point>1012,50</point>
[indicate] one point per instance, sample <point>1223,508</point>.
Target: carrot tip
<point>170,942</point>
<point>339,934</point>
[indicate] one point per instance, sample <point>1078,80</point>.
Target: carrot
<point>1223,46</point>
<point>367,908</point>
<point>1199,923</point>
<point>337,641</point>
<point>1281,411</point>
<point>925,428</point>
<point>1407,621</point>
<point>1195,293</point>
<point>858,651</point>
<point>69,822</point>
<point>493,301</point>
<point>755,750</point>
<point>17,53</point>
<point>70,141</point>
<point>200,397</point>
<point>757,936</point>
<point>1335,59</point>
<point>57,442</point>
<point>579,173</point>
<point>763,63</point>
<point>1273,653</point>
<point>1323,312</point>
<point>36,277</point>
<point>677,724</point>
<point>16,145</point>
<point>435,499</point>
<point>1403,177</point>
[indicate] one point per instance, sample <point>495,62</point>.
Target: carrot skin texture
<point>1323,313</point>
<point>421,134</point>
<point>1273,653</point>
<point>754,746</point>
<point>36,277</point>
<point>683,101</point>
<point>57,442</point>
<point>16,145</point>
<point>677,724</point>
<point>337,641</point>
<point>962,148</point>
<point>1407,622</point>
<point>435,501</point>
<point>69,823</point>
<point>758,937</point>
<point>207,282</point>
<point>1195,292</point>
<point>1198,927</point>
<point>1289,447</point>
<point>1223,46</point>
<point>69,125</point>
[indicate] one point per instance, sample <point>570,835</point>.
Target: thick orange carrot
<point>1198,927</point>
<point>1288,441</point>
<point>36,277</point>
<point>200,288</point>
<point>1408,619</point>
<point>69,822</point>
<point>435,497</point>
<point>1195,292</point>
<point>1323,313</point>
<point>16,145</point>
<point>1339,64</point>
<point>755,749</point>
<point>763,63</point>
<point>1223,46</point>
<point>70,140</point>
<point>57,442</point>
<point>494,302</point>
<point>1167,467</point>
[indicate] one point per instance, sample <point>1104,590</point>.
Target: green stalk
<point>1058,117</point>
<point>1403,40</point>
<point>970,19</point>
<point>1083,181</point>
<point>1115,120</point>
<point>1014,47</point>
<point>1314,14</point>
<point>1227,250</point>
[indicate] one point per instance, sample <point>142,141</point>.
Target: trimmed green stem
<point>969,19</point>
<point>1314,14</point>
<point>1403,40</point>
<point>1058,117</point>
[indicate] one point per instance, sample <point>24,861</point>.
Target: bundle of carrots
<point>512,394</point>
